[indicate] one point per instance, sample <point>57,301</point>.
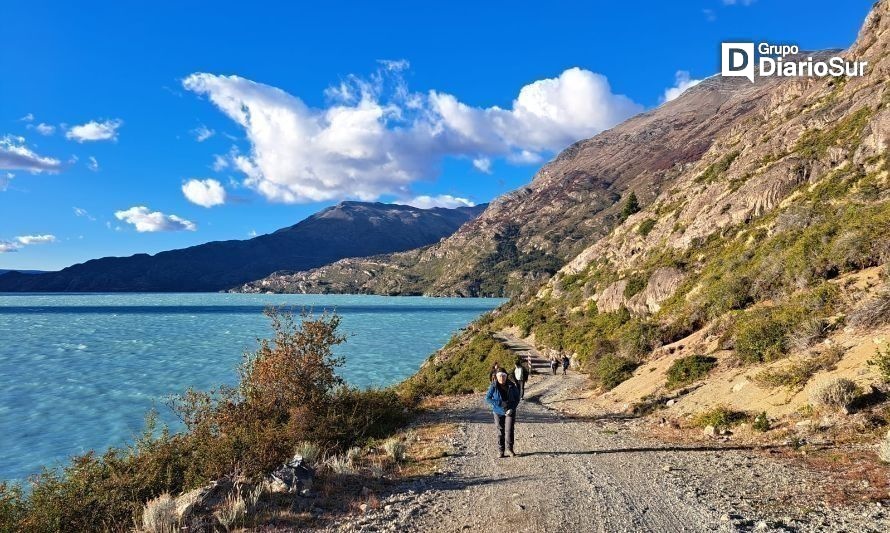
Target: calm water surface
<point>79,371</point>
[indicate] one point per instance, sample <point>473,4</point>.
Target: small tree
<point>631,206</point>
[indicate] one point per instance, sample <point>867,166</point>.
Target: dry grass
<point>159,515</point>
<point>835,393</point>
<point>872,313</point>
<point>797,373</point>
<point>232,511</point>
<point>395,449</point>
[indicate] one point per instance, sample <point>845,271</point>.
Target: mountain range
<point>346,230</point>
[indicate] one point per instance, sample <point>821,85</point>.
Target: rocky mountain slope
<point>761,260</point>
<point>572,202</point>
<point>349,229</point>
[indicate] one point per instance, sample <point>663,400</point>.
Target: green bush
<point>761,422</point>
<point>646,226</point>
<point>611,370</point>
<point>635,285</point>
<point>686,370</point>
<point>881,363</point>
<point>631,206</point>
<point>720,416</point>
<point>716,169</point>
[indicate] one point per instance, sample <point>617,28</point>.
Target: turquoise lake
<point>79,371</point>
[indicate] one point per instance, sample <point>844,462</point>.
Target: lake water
<point>79,371</point>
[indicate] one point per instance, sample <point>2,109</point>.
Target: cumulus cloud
<point>206,193</point>
<point>147,221</point>
<point>28,118</point>
<point>442,200</point>
<point>220,163</point>
<point>92,164</point>
<point>683,82</point>
<point>377,137</point>
<point>35,239</point>
<point>45,129</point>
<point>202,133</point>
<point>14,155</point>
<point>7,246</point>
<point>482,164</point>
<point>105,130</point>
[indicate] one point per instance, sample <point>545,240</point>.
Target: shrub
<point>835,393</point>
<point>395,449</point>
<point>635,285</point>
<point>12,506</point>
<point>631,206</point>
<point>689,369</point>
<point>872,313</point>
<point>308,451</point>
<point>807,333</point>
<point>232,511</point>
<point>881,362</point>
<point>798,373</point>
<point>646,226</point>
<point>160,515</point>
<point>761,422</point>
<point>611,370</point>
<point>716,169</point>
<point>720,416</point>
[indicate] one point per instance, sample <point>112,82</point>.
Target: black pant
<point>521,384</point>
<point>505,430</point>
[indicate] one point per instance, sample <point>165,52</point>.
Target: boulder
<point>293,477</point>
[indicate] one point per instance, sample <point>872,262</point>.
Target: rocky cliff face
<point>345,230</point>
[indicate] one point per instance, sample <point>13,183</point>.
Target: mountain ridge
<point>346,229</point>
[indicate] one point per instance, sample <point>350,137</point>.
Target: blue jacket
<point>494,397</point>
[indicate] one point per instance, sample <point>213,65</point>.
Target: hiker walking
<point>553,364</point>
<point>520,374</point>
<point>495,368</point>
<point>565,364</point>
<point>503,396</point>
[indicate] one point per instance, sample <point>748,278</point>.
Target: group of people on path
<point>506,391</point>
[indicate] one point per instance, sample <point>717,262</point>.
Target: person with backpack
<point>565,364</point>
<point>554,364</point>
<point>503,397</point>
<point>520,374</point>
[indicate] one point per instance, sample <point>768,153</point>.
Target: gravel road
<point>595,475</point>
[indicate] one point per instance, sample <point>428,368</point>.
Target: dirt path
<point>592,475</point>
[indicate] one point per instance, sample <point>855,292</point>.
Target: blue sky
<point>303,106</point>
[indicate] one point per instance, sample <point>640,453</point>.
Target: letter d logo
<point>737,60</point>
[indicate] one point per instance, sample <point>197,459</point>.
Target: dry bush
<point>308,451</point>
<point>231,511</point>
<point>340,464</point>
<point>159,515</point>
<point>798,373</point>
<point>807,333</point>
<point>395,449</point>
<point>836,393</point>
<point>872,313</point>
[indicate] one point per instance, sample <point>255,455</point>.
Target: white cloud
<point>738,2</point>
<point>220,163</point>
<point>35,239</point>
<point>95,131</point>
<point>442,200</point>
<point>92,164</point>
<point>147,221</point>
<point>482,164</point>
<point>206,193</point>
<point>5,179</point>
<point>28,118</point>
<point>45,129</point>
<point>683,82</point>
<point>14,155</point>
<point>709,14</point>
<point>80,212</point>
<point>202,133</point>
<point>376,137</point>
<point>6,247</point>
<point>252,233</point>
